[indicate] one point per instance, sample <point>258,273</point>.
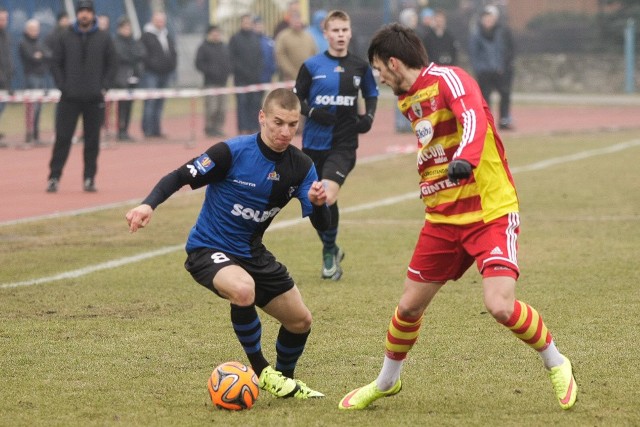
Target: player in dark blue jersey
<point>248,180</point>
<point>328,85</point>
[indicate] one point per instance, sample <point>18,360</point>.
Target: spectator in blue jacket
<point>317,30</point>
<point>267,44</point>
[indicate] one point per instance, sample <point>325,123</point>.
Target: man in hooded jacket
<point>83,67</point>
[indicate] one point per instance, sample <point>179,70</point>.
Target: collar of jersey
<point>268,152</point>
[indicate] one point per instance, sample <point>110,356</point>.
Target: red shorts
<point>444,252</point>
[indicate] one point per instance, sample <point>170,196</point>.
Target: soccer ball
<point>233,386</point>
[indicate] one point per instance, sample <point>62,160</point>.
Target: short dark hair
<point>398,41</point>
<point>281,97</point>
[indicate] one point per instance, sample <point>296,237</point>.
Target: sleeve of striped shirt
<point>464,97</point>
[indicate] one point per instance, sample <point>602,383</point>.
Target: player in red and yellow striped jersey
<point>471,210</point>
<point>452,121</point>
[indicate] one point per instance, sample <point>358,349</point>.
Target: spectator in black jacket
<point>35,57</point>
<point>492,52</point>
<point>62,24</point>
<point>247,64</point>
<point>131,54</point>
<point>50,41</point>
<point>6,66</point>
<point>160,63</point>
<point>212,60</point>
<point>441,46</point>
<point>83,67</point>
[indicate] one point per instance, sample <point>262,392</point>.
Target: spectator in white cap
<point>160,63</point>
<point>35,58</point>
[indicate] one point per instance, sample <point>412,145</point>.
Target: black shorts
<point>333,165</point>
<point>270,276</point>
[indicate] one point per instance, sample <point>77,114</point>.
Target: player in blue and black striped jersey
<point>248,180</point>
<point>328,86</point>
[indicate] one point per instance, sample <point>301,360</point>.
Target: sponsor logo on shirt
<point>427,189</point>
<point>424,132</point>
<point>348,101</point>
<point>435,152</point>
<point>338,69</point>
<point>253,214</point>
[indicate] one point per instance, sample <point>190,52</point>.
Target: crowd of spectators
<point>490,49</point>
<point>246,57</point>
<point>150,62</point>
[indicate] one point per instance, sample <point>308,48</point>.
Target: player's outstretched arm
<point>139,217</point>
<point>321,216</point>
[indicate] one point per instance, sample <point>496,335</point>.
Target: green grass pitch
<point>135,344</point>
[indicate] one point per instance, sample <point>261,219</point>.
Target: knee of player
<point>501,310</point>
<point>243,294</point>
<point>301,324</point>
<point>409,312</point>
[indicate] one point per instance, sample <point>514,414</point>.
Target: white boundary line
<point>93,268</point>
<point>75,212</point>
<point>289,223</point>
<point>63,214</point>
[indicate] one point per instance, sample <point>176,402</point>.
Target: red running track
<point>128,171</point>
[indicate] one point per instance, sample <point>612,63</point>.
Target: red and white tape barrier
<point>31,96</point>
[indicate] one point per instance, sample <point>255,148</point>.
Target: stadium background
<point>562,46</point>
<point>570,75</point>
<point>68,340</point>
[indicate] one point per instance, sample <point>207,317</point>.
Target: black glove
<point>322,116</point>
<point>364,123</point>
<point>459,169</point>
